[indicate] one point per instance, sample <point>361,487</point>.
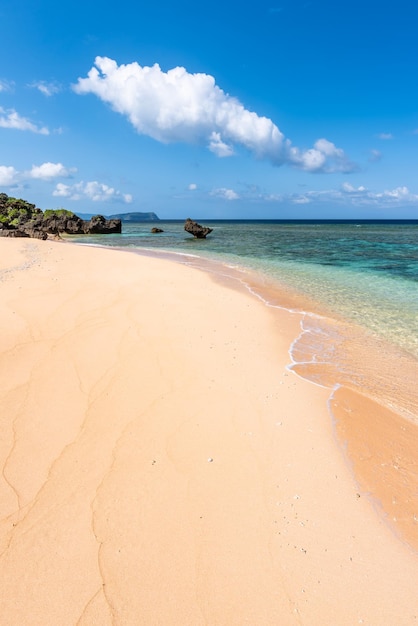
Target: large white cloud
<point>178,106</point>
<point>12,119</point>
<point>92,190</point>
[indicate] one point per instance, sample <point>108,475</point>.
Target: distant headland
<point>133,217</point>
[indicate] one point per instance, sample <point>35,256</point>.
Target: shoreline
<point>185,458</point>
<point>387,471</point>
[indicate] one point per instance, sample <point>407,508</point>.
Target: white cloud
<point>323,157</point>
<point>219,147</point>
<point>8,175</point>
<point>48,170</point>
<point>348,188</point>
<point>384,136</point>
<point>347,195</point>
<point>301,200</point>
<point>192,186</point>
<point>226,194</point>
<point>361,196</point>
<point>45,171</point>
<point>12,119</point>
<point>47,89</point>
<point>92,190</point>
<point>178,106</point>
<point>399,193</point>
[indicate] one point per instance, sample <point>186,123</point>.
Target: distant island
<point>134,217</point>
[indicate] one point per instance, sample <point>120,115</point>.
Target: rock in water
<point>196,229</point>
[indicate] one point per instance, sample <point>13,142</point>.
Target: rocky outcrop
<point>99,225</point>
<point>15,232</point>
<point>19,218</point>
<point>156,230</point>
<point>54,223</point>
<point>195,229</point>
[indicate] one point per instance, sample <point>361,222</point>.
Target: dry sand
<point>160,466</point>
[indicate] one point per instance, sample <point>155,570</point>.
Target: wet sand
<point>161,465</point>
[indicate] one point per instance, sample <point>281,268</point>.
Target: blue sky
<point>287,109</point>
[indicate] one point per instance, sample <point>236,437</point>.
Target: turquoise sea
<point>360,278</point>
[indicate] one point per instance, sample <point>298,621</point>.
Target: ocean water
<point>358,288</point>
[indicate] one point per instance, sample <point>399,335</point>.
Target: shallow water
<point>361,280</point>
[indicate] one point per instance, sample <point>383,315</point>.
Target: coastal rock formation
<point>195,229</point>
<point>100,225</point>
<point>19,218</point>
<point>156,230</point>
<point>6,232</point>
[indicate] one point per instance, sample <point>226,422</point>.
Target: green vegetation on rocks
<point>15,211</point>
<point>58,213</point>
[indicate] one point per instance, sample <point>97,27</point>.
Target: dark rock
<point>13,232</point>
<point>72,225</point>
<point>54,224</point>
<point>99,225</point>
<point>36,233</point>
<point>195,229</point>
<point>156,230</point>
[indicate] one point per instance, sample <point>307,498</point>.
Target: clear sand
<point>160,466</point>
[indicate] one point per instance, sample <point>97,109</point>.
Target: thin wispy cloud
<point>6,85</point>
<point>47,89</point>
<point>375,155</point>
<point>384,136</point>
<point>176,106</point>
<point>362,196</point>
<point>346,195</point>
<point>225,194</point>
<point>11,119</point>
<point>92,190</point>
<point>348,188</point>
<point>301,200</point>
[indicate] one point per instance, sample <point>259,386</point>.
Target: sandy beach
<point>162,466</point>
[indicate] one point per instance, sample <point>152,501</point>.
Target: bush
<point>58,213</point>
